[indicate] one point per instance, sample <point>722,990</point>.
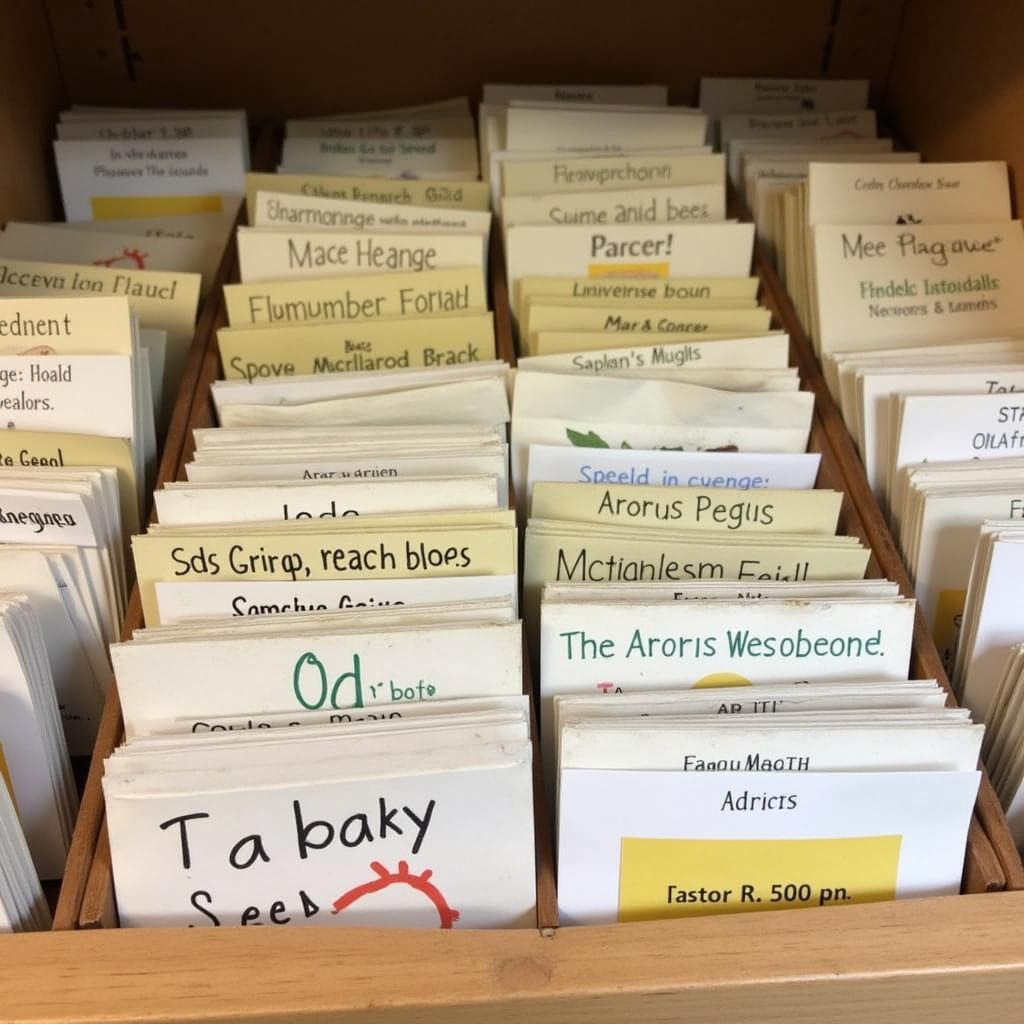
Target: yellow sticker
<point>721,679</point>
<point>628,270</point>
<point>666,878</point>
<point>949,611</point>
<point>116,207</point>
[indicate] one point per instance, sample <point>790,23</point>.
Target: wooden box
<point>944,74</point>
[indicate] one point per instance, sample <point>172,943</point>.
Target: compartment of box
<point>947,72</point>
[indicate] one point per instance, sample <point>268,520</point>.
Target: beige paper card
<point>431,293</point>
<point>164,301</point>
<point>272,255</point>
<point>97,326</point>
<point>281,210</point>
<point>41,450</point>
<point>330,554</point>
<point>556,343</point>
<point>641,319</point>
<point>258,352</point>
<point>462,195</point>
<point>898,285</point>
<point>689,508</point>
<point>604,173</point>
<point>868,193</point>
<point>640,289</point>
<point>632,206</point>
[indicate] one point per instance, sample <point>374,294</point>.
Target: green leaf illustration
<point>587,440</point>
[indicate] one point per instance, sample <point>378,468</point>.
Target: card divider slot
<point>80,882</point>
<point>992,862</point>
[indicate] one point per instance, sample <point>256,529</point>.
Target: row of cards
<point>771,814</point>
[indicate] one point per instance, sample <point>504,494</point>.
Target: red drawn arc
<point>385,879</point>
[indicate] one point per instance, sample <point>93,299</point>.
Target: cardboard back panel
<point>33,93</point>
<point>957,81</point>
<point>360,56</point>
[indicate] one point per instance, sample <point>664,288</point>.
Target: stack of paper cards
<point>23,906</point>
<point>902,255</point>
<point>368,238</point>
<point>720,97</point>
<point>79,444</point>
<point>685,804</point>
<point>365,662</point>
<point>426,545</point>
<point>60,354</point>
<point>990,622</point>
<point>163,302</point>
<point>772,130</point>
<point>422,820</point>
<point>33,753</point>
<point>282,512</point>
<point>599,412</point>
<point>95,243</point>
<point>903,273</point>
<point>1003,748</point>
<point>355,269</point>
<point>433,141</point>
<point>620,533</point>
<point>623,638</point>
<point>942,450</point>
<point>608,187</point>
<point>116,162</point>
